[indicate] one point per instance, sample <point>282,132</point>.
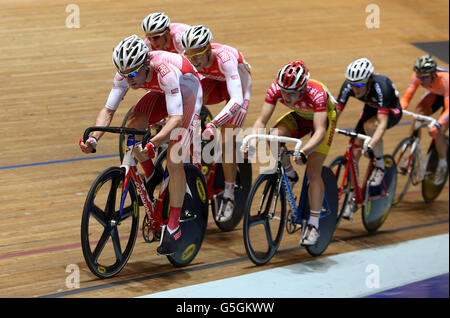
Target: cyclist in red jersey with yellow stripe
<point>313,112</point>
<point>435,80</point>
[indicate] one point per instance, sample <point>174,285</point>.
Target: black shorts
<point>369,112</point>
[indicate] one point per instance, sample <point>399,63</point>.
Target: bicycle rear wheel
<point>431,191</point>
<point>101,239</point>
<point>328,214</point>
<point>404,169</point>
<point>196,204</point>
<point>241,190</point>
<point>265,214</point>
<point>337,166</point>
<point>379,203</point>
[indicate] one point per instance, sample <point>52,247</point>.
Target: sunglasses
<point>195,55</point>
<point>131,74</point>
<point>424,76</point>
<point>360,84</point>
<point>156,36</point>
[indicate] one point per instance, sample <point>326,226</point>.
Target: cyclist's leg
<point>229,132</point>
<point>440,139</point>
<point>177,154</point>
<point>291,125</point>
<point>314,165</point>
<point>424,107</point>
<point>149,109</point>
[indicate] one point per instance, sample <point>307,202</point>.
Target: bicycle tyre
<point>376,211</point>
<point>193,231</point>
<point>337,166</point>
<point>328,219</point>
<point>105,219</point>
<point>241,190</point>
<point>259,252</point>
<point>430,191</point>
<point>399,155</point>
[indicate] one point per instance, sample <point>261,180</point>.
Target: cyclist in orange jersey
<point>435,80</point>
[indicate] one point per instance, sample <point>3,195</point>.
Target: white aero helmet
<point>425,64</point>
<point>195,37</point>
<point>130,53</point>
<point>155,23</point>
<point>359,70</point>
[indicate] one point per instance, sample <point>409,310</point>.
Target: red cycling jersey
<point>316,98</point>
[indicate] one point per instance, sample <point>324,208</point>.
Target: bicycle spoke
<point>116,243</point>
<point>112,196</point>
<point>101,243</point>
<point>126,213</point>
<point>270,241</point>
<point>99,215</point>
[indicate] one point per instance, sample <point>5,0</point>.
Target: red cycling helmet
<point>293,76</point>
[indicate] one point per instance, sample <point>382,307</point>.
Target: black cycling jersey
<point>381,94</point>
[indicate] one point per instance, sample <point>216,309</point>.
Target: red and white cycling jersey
<point>173,74</point>
<point>229,66</point>
<point>316,98</point>
<point>176,30</point>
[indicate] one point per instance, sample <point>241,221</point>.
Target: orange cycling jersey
<point>439,87</point>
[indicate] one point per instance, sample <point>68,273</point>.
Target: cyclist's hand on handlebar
<point>301,158</point>
<point>369,152</point>
<point>435,129</point>
<point>89,145</point>
<point>208,133</point>
<point>149,150</point>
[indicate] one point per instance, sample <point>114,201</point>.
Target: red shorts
<point>153,104</point>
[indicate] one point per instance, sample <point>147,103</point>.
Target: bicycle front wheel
<point>103,229</point>
<point>264,218</point>
<point>380,198</point>
<point>405,167</point>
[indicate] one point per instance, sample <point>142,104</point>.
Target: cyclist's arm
<point>229,68</point>
<point>409,93</point>
<point>381,128</point>
<point>443,118</point>
<point>170,83</point>
<point>344,94</point>
<point>264,117</point>
<point>174,121</point>
<point>320,129</point>
<point>106,114</point>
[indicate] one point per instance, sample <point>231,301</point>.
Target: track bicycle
<point>110,218</point>
<point>376,201</point>
<point>266,213</point>
<point>411,168</point>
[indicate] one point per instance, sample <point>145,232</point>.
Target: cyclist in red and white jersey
<point>174,91</point>
<point>435,80</point>
<point>313,112</point>
<point>161,34</point>
<point>226,77</point>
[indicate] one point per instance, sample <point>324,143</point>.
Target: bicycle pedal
<point>187,216</point>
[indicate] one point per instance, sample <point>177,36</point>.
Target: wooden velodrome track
<point>56,79</point>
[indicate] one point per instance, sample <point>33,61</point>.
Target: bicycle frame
<point>421,121</point>
<point>131,171</point>
<point>284,180</point>
<point>361,192</point>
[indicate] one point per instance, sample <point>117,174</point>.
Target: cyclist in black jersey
<point>382,110</point>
